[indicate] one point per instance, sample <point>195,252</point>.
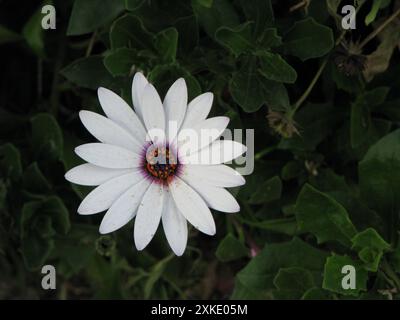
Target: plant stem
<point>310,87</point>
<point>387,269</point>
<point>379,29</point>
<point>91,44</point>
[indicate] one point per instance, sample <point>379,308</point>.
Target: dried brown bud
<point>282,124</point>
<point>348,60</point>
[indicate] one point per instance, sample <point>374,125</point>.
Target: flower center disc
<point>161,163</point>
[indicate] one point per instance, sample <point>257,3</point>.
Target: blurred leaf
<point>230,249</point>
<point>361,128</point>
<point>283,225</point>
<point>259,12</point>
<point>333,275</point>
<point>56,210</point>
<point>376,5</point>
<point>378,61</point>
<point>33,31</point>
<point>250,90</point>
<point>274,67</point>
<point>315,123</point>
<point>155,275</point>
<point>129,31</point>
<point>7,35</point>
<point>164,75</point>
<point>89,73</point>
<point>379,179</point>
<point>88,15</point>
<point>237,40</point>
<point>166,43</point>
<point>269,191</point>
<point>35,251</point>
<point>34,180</point>
<point>269,38</point>
<point>47,138</point>
<point>120,61</point>
<point>293,281</point>
<point>322,216</point>
<point>308,39</point>
<point>205,3</point>
<point>370,247</point>
<point>316,294</point>
<point>10,161</point>
<point>261,270</point>
<point>132,5</point>
<point>221,13</point>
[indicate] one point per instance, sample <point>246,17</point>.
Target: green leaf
<point>269,38</point>
<point>221,13</point>
<point>316,122</point>
<point>230,249</point>
<point>261,270</point>
<point>89,73</point>
<point>33,31</point>
<point>321,215</point>
<point>269,191</point>
<point>370,246</point>
<point>133,5</point>
<point>164,75</point>
<point>250,90</point>
<point>10,161</point>
<point>56,210</point>
<point>294,281</point>
<point>362,128</point>
<point>379,178</point>
<point>205,3</point>
<point>376,5</point>
<point>260,12</point>
<point>237,40</point>
<point>283,225</point>
<point>129,31</point>
<point>333,275</point>
<point>89,15</point>
<point>121,61</point>
<point>35,251</point>
<point>34,180</point>
<point>274,67</point>
<point>47,138</point>
<point>166,43</point>
<point>8,36</point>
<point>308,39</point>
<point>316,294</point>
<point>156,273</point>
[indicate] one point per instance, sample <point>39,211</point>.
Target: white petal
<point>153,113</point>
<point>175,104</point>
<point>217,175</point>
<point>124,208</point>
<point>107,131</point>
<point>220,151</point>
<point>138,84</point>
<point>120,112</point>
<point>198,109</point>
<point>108,156</point>
<point>148,215</point>
<point>102,197</point>
<point>201,135</point>
<point>216,197</point>
<point>192,206</point>
<point>90,175</point>
<point>175,225</point>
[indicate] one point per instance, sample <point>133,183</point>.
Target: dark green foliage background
<point>319,199</point>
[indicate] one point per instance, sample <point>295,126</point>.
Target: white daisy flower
<point>160,161</point>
